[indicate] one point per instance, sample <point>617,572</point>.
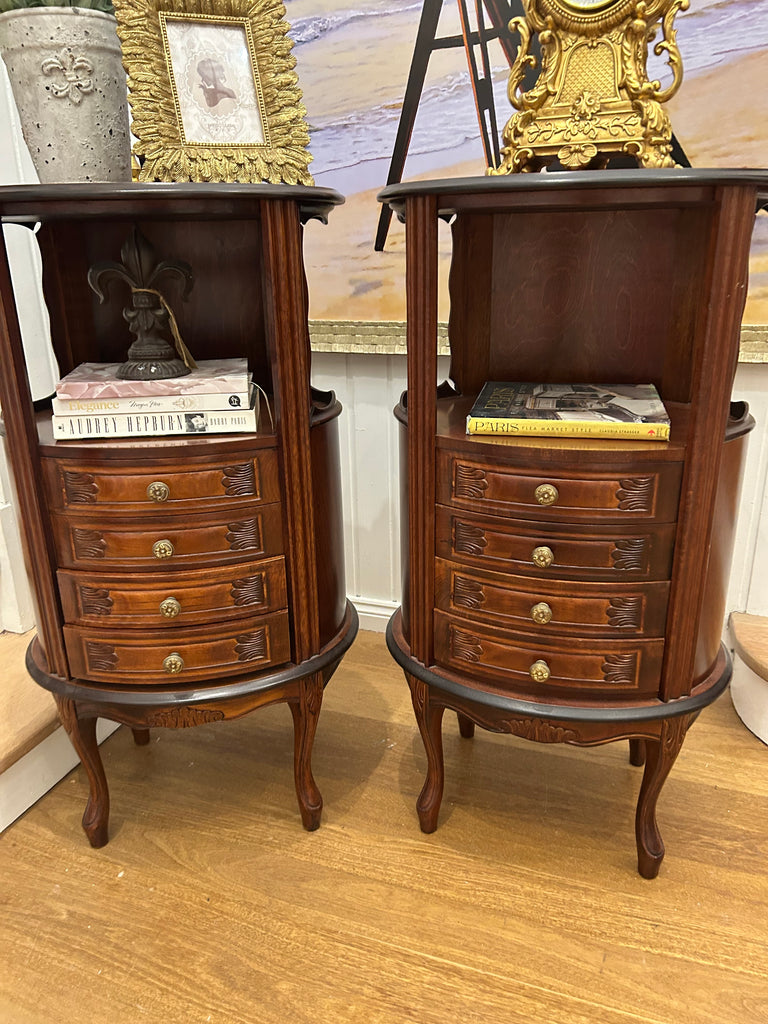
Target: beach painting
<point>353,59</point>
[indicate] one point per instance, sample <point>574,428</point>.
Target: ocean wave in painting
<point>307,30</point>
<point>446,119</point>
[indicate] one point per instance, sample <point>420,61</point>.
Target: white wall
<point>16,166</point>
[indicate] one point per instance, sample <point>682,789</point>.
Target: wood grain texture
<point>523,908</point>
<point>285,293</point>
<point>421,295</point>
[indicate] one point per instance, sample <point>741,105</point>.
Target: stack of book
<point>218,397</point>
<point>570,410</point>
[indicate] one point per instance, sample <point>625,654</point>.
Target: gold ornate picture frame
<point>213,91</point>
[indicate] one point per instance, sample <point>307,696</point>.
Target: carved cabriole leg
<point>637,751</point>
<point>140,737</point>
<point>82,733</point>
<point>466,726</point>
<point>660,755</point>
<point>306,711</point>
<point>429,717</point>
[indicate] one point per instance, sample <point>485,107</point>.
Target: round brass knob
<point>541,613</point>
<point>539,671</point>
<point>162,549</point>
<point>546,494</point>
<point>543,557</point>
<point>170,608</point>
<point>173,664</point>
<point>158,491</point>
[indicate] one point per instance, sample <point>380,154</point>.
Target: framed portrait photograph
<point>214,96</point>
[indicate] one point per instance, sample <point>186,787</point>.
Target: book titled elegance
<point>633,411</point>
<point>154,424</point>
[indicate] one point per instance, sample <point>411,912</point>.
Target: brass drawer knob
<point>543,557</point>
<point>158,491</point>
<point>546,494</point>
<point>173,664</point>
<point>170,608</point>
<point>539,671</point>
<point>162,549</point>
<point>541,613</point>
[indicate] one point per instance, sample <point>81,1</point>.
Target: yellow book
<point>630,411</point>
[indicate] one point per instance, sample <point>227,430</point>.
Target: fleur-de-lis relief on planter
<point>73,75</point>
<point>151,356</point>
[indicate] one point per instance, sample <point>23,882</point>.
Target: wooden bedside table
<point>569,590</point>
<point>181,579</point>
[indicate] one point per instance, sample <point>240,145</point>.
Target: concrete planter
<point>66,72</point>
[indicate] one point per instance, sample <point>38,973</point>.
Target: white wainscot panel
<point>369,387</point>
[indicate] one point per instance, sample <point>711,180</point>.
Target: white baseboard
<point>749,694</point>
<point>374,614</point>
<point>33,775</point>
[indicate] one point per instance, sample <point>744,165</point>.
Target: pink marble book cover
<point>99,380</point>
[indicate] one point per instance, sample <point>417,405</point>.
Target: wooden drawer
<point>167,542</point>
<point>127,486</point>
<point>602,668</point>
<point>550,608</point>
<point>612,553</point>
<point>576,495</point>
<point>195,597</point>
<point>152,658</point>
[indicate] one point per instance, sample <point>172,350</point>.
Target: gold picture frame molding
<point>162,147</point>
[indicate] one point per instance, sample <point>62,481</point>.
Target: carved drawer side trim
<point>468,539</point>
<point>253,646</point>
<point>465,646</point>
<point>244,535</point>
<point>88,543</point>
<point>469,481</point>
<point>467,593</point>
<point>80,488</point>
<point>241,480</point>
<point>249,590</point>
<point>629,555</point>
<point>102,657</point>
<point>625,612</point>
<point>95,600</point>
<point>636,494</point>
<point>620,670</point>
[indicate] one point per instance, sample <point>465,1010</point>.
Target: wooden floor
<point>211,904</point>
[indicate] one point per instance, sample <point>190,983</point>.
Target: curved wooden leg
<point>466,726</point>
<point>140,737</point>
<point>429,717</point>
<point>305,713</point>
<point>660,756</point>
<point>82,733</point>
<point>637,751</point>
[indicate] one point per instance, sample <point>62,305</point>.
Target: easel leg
<point>660,756</point>
<point>82,733</point>
<point>305,713</point>
<point>429,717</point>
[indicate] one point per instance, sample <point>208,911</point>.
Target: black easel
<point>474,39</point>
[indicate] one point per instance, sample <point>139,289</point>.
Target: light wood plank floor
<point>211,904</point>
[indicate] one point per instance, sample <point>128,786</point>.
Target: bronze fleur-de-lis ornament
<point>151,356</point>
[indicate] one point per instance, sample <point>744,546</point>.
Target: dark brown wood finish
<point>421,297</point>
<point>588,614</point>
<point>197,601</point>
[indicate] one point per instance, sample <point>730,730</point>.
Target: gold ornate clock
<point>593,98</point>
